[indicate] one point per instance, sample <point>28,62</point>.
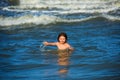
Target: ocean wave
<point>111,17</point>
<point>62,11</point>
<point>29,19</point>
<point>65,7</point>
<point>47,19</point>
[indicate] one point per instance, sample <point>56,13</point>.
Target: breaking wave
<point>44,12</point>
<point>67,6</point>
<point>46,19</point>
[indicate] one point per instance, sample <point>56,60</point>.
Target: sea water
<point>93,29</point>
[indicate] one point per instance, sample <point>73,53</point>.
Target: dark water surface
<point>93,29</point>
<point>96,54</point>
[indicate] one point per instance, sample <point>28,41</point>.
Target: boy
<point>61,44</point>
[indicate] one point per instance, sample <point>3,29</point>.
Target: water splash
<point>42,47</point>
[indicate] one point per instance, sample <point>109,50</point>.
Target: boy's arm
<point>71,48</point>
<point>49,43</point>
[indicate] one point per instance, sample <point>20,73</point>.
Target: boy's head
<point>62,37</point>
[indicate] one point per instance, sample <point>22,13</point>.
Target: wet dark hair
<point>62,34</point>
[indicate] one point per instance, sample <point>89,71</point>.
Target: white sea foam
<point>46,12</point>
<point>93,6</point>
<point>45,19</point>
<point>110,17</point>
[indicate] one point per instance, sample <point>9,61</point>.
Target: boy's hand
<point>45,43</point>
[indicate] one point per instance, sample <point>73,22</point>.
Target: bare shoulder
<point>68,44</point>
<point>70,47</point>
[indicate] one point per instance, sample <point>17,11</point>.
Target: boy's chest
<point>62,46</point>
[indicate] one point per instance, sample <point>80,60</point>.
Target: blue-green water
<point>94,35</point>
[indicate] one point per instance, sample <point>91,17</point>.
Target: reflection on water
<point>60,59</point>
<point>63,61</point>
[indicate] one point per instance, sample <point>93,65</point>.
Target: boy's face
<point>62,39</point>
